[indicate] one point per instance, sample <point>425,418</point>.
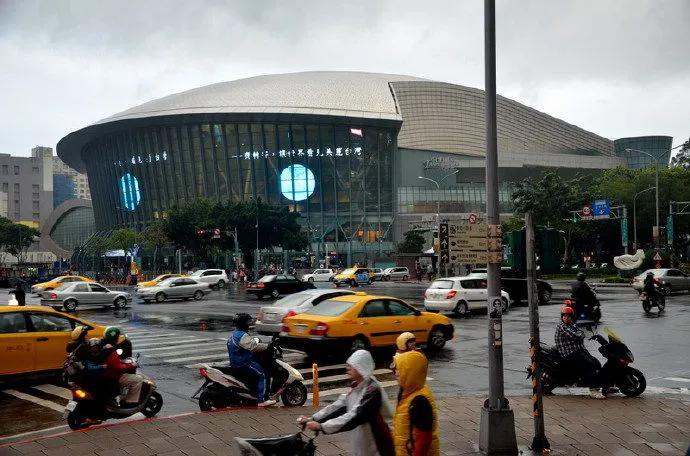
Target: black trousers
<point>586,367</point>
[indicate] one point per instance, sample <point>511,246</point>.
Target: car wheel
<point>147,301</point>
<point>544,296</point>
<point>437,338</point>
<point>386,278</point>
<point>405,278</point>
<point>311,280</point>
<point>359,343</point>
<point>221,284</point>
<point>160,296</point>
<point>120,303</point>
<point>198,294</point>
<point>330,279</point>
<point>504,305</point>
<point>275,293</point>
<point>70,305</point>
<point>461,309</point>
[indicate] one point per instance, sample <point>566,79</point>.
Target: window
<point>331,308</point>
<point>374,308</point>
<point>16,170</point>
<point>442,284</point>
<point>96,288</point>
<point>5,187</point>
<point>12,322</point>
<point>469,284</point>
<point>5,169</point>
<point>210,273</point>
<point>81,288</point>
<point>34,188</point>
<point>16,187</point>
<point>51,323</point>
<point>35,170</point>
<point>398,308</point>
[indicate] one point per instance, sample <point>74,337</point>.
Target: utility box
<point>548,248</point>
<point>515,252</point>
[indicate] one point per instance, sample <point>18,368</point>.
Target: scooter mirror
<point>257,340</point>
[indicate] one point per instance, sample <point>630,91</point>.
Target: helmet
<point>94,342</point>
<point>242,321</point>
<point>581,276</point>
<point>78,332</point>
<point>111,335</point>
<point>567,310</point>
<point>403,339</point>
<point>650,273</point>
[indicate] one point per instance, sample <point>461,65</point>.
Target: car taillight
<point>290,313</point>
<point>79,394</point>
<point>285,328</point>
<point>53,296</point>
<point>319,330</point>
<point>451,294</point>
<point>259,285</point>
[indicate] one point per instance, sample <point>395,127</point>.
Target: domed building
<point>344,149</point>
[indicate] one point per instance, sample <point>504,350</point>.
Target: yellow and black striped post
<point>539,443</point>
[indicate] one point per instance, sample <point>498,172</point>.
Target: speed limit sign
<point>586,211</point>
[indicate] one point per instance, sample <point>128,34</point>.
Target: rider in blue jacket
<point>241,349</point>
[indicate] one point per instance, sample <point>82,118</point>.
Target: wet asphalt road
<point>174,338</point>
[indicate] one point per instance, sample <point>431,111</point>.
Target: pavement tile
<point>139,449</point>
<point>111,452</point>
<point>28,448</point>
<point>664,448</point>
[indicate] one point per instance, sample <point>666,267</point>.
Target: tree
<point>96,247</point>
<point>15,238</point>
<point>413,242</point>
<point>123,239</point>
<point>155,238</point>
<point>682,158</point>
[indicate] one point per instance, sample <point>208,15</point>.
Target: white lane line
<point>337,391</point>
<point>678,379</point>
<point>144,338</point>
<point>189,351</point>
<point>339,378</point>
<point>35,400</point>
<point>213,364</point>
<point>158,343</point>
<point>322,368</point>
<point>195,358</point>
<point>166,345</point>
<point>55,390</point>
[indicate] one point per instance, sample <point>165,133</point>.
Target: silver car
<point>72,295</point>
<point>671,280</point>
<point>397,273</point>
<point>270,318</point>
<point>174,288</point>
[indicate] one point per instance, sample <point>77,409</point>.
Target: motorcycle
<point>615,371</point>
<point>91,406</point>
<point>229,387</point>
<point>589,313</point>
<point>648,302</point>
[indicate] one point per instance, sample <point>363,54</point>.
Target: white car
<point>319,275</point>
<point>671,280</point>
<point>398,273</point>
<point>460,295</point>
<point>214,277</point>
<point>174,288</point>
<point>269,321</point>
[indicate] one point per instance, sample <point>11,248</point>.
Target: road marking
<point>55,390</point>
<point>340,378</point>
<point>168,345</point>
<point>35,400</point>
<point>338,391</point>
<point>145,338</point>
<point>186,352</point>
<point>678,379</point>
<point>194,358</point>
<point>323,368</point>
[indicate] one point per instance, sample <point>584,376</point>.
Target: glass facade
<point>74,228</point>
<point>658,146</point>
<point>459,199</point>
<point>338,177</point>
<point>64,188</point>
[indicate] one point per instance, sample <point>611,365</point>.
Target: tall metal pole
<point>635,214</point>
<point>539,442</point>
<point>256,255</point>
<point>497,424</point>
<point>438,216</point>
<point>658,230</point>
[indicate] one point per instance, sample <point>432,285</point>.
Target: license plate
<point>269,317</point>
<point>71,406</point>
<point>301,329</point>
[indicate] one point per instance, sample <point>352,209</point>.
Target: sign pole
<point>539,442</point>
<point>497,423</point>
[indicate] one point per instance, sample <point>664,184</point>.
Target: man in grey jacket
<point>361,411</point>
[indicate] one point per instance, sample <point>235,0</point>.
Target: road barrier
<point>315,385</point>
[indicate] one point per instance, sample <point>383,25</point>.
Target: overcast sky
<point>617,68</point>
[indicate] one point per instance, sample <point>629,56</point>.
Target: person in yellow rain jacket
<point>415,426</point>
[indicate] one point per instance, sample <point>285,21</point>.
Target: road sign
<point>586,211</point>
<point>472,219</point>
<point>669,230</point>
<point>601,209</point>
<point>216,233</point>
<point>657,257</point>
<point>444,243</point>
<point>624,232</point>
<point>468,243</point>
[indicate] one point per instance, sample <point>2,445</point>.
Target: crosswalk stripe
<point>194,358</point>
<point>678,379</point>
<point>35,400</point>
<point>322,368</point>
<point>54,390</point>
<point>338,391</point>
<point>187,352</point>
<point>143,338</point>
<point>178,345</point>
<point>340,378</point>
<point>188,340</point>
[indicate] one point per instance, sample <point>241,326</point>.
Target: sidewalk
<point>576,425</point>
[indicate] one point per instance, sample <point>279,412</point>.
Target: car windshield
<point>166,282</point>
<point>348,271</point>
<point>267,278</point>
<point>294,300</point>
<point>442,284</point>
<point>331,308</point>
<point>160,278</point>
<point>656,272</point>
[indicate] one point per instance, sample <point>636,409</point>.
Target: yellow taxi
<point>362,321</point>
<point>57,281</point>
<point>349,276</point>
<point>159,279</point>
<point>34,339</point>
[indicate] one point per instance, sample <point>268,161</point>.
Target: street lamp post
<point>635,215</point>
<point>438,210</point>
<point>656,179</point>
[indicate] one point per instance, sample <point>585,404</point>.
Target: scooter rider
<point>123,372</point>
<point>241,349</point>
<point>571,347</point>
<point>650,284</point>
<point>582,293</point>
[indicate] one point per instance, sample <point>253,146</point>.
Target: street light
<point>635,214</point>
<point>438,210</point>
<point>656,179</point>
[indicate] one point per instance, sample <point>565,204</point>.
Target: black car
<point>276,285</point>
<point>515,284</point>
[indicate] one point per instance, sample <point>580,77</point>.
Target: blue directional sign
<point>601,209</point>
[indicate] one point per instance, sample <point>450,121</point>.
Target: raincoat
<point>363,411</point>
<point>415,406</point>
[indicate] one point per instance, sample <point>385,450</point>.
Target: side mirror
<point>417,313</point>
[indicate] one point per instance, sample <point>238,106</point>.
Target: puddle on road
<point>176,321</point>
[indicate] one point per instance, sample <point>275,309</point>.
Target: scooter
<point>616,370</point>
<point>89,407</point>
<point>648,302</point>
<point>228,387</point>
<point>585,314</point>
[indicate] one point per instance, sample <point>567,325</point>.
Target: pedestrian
<point>418,271</point>
<point>429,271</point>
<point>362,410</point>
<point>20,294</point>
<point>405,342</point>
<point>415,426</point>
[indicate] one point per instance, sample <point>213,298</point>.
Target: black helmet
<point>581,276</point>
<point>650,273</point>
<point>242,321</point>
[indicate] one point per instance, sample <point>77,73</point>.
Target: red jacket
<point>114,367</point>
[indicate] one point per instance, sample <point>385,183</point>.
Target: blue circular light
<point>129,191</point>
<point>297,182</point>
